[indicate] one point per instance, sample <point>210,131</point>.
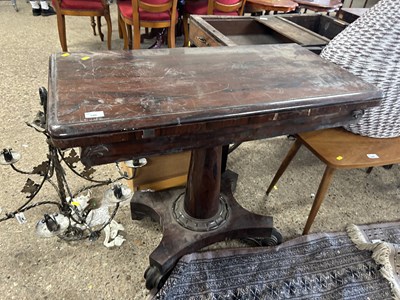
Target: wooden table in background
<point>283,6</point>
<point>118,106</point>
<point>320,5</point>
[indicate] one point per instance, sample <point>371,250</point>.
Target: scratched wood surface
<point>197,95</point>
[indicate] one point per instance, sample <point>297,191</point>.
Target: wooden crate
<point>160,172</point>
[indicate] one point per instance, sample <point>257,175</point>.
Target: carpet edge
<point>383,253</point>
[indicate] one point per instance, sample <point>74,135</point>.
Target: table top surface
<point>94,93</point>
<point>320,3</point>
<point>278,5</point>
<point>356,151</point>
<point>357,11</point>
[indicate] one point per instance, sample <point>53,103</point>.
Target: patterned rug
<point>317,266</point>
<point>384,242</point>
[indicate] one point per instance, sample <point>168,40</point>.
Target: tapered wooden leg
<point>171,36</point>
<point>62,32</point>
<point>319,197</point>
<point>93,24</point>
<point>109,30</point>
<point>285,163</point>
<point>119,26</point>
<point>122,26</point>
<point>99,29</point>
<point>136,36</point>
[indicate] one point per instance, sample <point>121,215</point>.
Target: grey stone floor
<point>36,268</point>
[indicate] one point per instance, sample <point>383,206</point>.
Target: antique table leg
<point>203,214</point>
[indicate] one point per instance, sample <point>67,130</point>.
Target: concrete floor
<point>37,268</point>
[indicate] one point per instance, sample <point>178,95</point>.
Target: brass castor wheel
<point>273,240</point>
<point>154,278</point>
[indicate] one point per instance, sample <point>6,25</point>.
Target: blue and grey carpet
<point>318,266</point>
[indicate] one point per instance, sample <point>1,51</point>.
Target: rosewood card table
<point>122,105</point>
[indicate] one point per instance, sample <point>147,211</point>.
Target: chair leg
<point>171,36</point>
<point>93,24</point>
<point>62,32</point>
<point>136,36</point>
<point>186,30</point>
<point>319,197</point>
<point>99,28</point>
<point>122,26</point>
<point>285,163</point>
<point>109,30</point>
<point>119,26</point>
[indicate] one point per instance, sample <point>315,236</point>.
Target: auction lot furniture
<point>313,31</point>
<point>320,5</point>
<point>122,105</point>
<point>340,149</point>
<point>256,6</point>
<point>147,14</point>
<point>92,8</point>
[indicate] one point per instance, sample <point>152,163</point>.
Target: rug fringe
<point>382,256</point>
<point>381,253</point>
<point>358,238</point>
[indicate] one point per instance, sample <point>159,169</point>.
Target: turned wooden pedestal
<point>202,214</point>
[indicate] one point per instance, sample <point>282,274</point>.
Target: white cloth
<point>39,4</point>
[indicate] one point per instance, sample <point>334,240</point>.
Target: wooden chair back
<point>149,14</point>
<point>94,8</point>
<point>226,7</point>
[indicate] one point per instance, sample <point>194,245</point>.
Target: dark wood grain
<point>162,101</point>
<point>320,5</point>
<point>176,93</point>
<point>270,5</point>
<point>201,196</point>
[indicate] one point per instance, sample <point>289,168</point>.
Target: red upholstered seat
<point>88,8</point>
<point>201,8</point>
<point>196,7</point>
<point>125,8</point>
<point>80,5</point>
<point>227,2</point>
